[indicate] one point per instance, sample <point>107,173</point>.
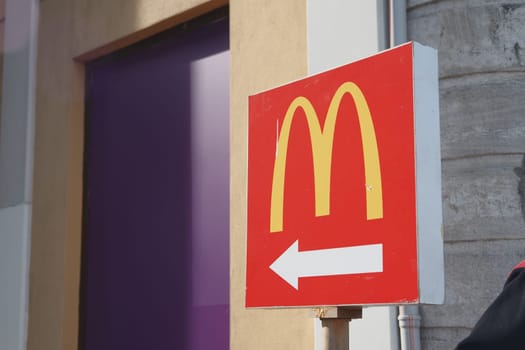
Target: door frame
<point>71,34</point>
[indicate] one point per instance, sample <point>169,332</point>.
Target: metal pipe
<point>398,22</point>
<point>409,318</point>
<point>409,325</point>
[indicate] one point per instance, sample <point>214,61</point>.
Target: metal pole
<point>335,334</point>
<point>334,323</point>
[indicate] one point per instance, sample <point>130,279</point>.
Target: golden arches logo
<point>322,143</point>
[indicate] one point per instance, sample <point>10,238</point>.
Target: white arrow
<point>292,264</point>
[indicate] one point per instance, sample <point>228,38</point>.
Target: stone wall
<point>481,47</point>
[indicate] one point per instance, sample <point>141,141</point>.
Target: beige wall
<point>268,47</point>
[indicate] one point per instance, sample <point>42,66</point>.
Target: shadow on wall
<point>520,172</point>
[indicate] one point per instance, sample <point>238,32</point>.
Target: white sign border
<point>428,176</point>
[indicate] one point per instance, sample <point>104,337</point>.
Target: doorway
<point>155,260</point>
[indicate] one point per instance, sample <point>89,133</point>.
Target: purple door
<point>155,271</point>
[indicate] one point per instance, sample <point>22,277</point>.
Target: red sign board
<point>332,188</point>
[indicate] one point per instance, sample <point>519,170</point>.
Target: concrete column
<point>341,31</point>
<point>482,84</point>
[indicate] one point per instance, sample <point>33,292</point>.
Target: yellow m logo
<point>322,143</point>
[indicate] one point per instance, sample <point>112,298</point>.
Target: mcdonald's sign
<point>344,186</point>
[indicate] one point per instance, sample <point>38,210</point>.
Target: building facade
<point>48,45</point>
